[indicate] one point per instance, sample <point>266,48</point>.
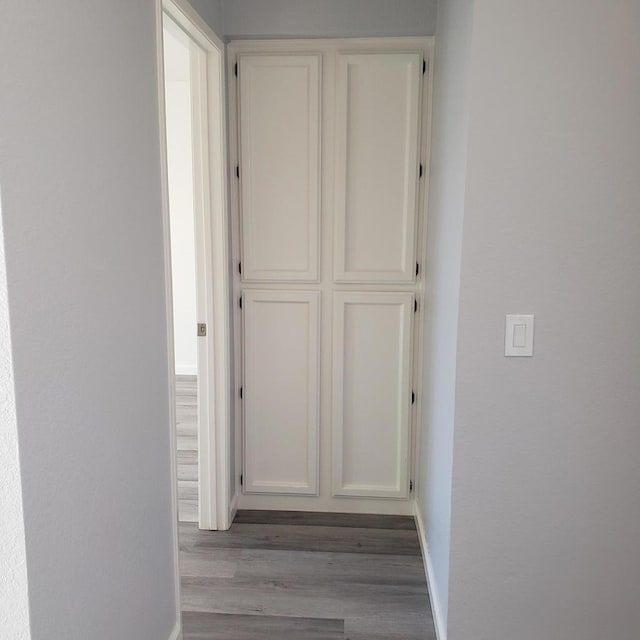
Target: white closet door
<point>281,391</point>
<point>371,394</point>
<point>279,169</point>
<point>377,166</point>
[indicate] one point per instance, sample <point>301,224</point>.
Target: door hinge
<point>238,171</point>
<point>240,268</point>
<point>202,329</point>
<point>417,268</point>
<point>241,393</point>
<point>424,66</point>
<point>235,69</point>
<point>413,397</point>
<point>415,306</point>
<point>421,169</point>
<point>240,302</point>
<point>410,485</point>
<point>241,480</point>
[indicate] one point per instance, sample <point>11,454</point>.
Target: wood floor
<point>187,432</point>
<point>279,575</point>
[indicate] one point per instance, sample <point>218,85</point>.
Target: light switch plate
<point>518,335</point>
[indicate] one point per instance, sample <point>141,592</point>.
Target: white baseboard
<point>186,370</point>
<point>436,603</point>
<point>176,634</point>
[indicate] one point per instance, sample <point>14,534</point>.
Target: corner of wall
<point>437,609</point>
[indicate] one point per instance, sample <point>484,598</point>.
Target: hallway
<point>291,575</point>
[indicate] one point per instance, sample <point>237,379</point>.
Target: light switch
<point>518,339</point>
<point>520,335</point>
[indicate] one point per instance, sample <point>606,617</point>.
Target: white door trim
<point>210,209</point>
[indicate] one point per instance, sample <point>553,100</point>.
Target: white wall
<point>14,597</point>
<point>328,18</point>
<point>446,209</point>
<point>180,173</point>
<point>82,216</point>
<point>546,499</point>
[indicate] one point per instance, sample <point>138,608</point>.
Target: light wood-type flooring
<point>187,433</point>
<point>281,575</point>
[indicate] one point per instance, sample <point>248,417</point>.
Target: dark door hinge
<point>240,268</point>
<point>415,306</point>
<point>240,302</point>
<point>241,480</point>
<point>417,268</point>
<point>238,171</point>
<point>413,397</point>
<point>424,67</point>
<point>235,69</point>
<point>421,169</point>
<point>241,393</point>
<point>410,485</point>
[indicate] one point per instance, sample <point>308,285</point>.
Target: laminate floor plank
<point>187,447</point>
<point>303,538</point>
<point>187,510</point>
<point>333,569</point>
<point>221,626</point>
<point>385,628</point>
<point>310,518</point>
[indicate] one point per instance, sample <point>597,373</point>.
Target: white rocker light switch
<point>518,338</point>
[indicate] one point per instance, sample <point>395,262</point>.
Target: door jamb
<point>214,432</point>
<point>210,205</point>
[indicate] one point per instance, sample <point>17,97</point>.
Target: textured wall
<point>82,216</point>
<point>546,500</point>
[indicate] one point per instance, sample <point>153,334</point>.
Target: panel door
<point>377,166</point>
<point>371,393</point>
<point>281,391</point>
<point>329,139</point>
<point>279,167</point>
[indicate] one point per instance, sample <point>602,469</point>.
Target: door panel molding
<point>377,166</point>
<point>281,391</point>
<point>372,360</point>
<point>279,167</point>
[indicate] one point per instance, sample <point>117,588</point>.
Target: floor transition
<point>280,575</point>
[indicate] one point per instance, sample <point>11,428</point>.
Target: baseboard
<point>186,370</point>
<point>436,603</point>
<point>176,634</point>
<point>233,509</point>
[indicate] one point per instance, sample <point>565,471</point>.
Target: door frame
<point>212,255</point>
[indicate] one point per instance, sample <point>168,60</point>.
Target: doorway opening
<point>178,89</point>
<point>196,238</point>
